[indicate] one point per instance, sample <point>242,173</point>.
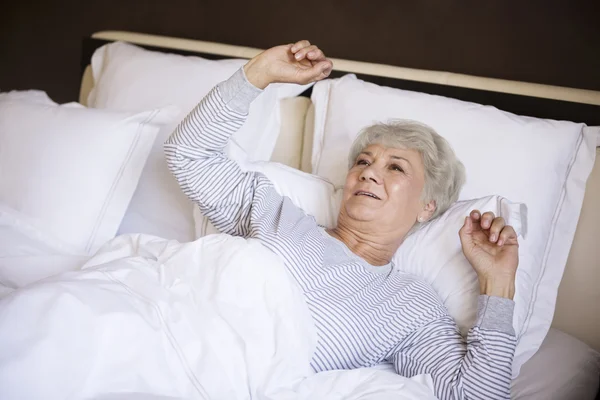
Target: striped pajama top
<point>364,315</point>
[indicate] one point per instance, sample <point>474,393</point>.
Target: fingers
<point>466,233</point>
<point>486,220</point>
<point>312,53</point>
<point>317,72</point>
<point>475,215</point>
<point>327,67</point>
<point>467,226</point>
<point>299,45</point>
<point>314,66</point>
<point>474,221</point>
<point>507,236</point>
<point>496,227</point>
<point>315,54</point>
<point>468,229</point>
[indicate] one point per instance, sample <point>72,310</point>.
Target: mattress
<point>563,368</point>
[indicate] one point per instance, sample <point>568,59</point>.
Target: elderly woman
<point>365,310</point>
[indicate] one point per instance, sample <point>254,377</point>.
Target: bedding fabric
<point>69,171</point>
<point>5,290</point>
<point>541,163</point>
<point>30,96</point>
<point>219,318</point>
<point>28,254</point>
<point>127,77</point>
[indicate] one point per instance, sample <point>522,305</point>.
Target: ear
<point>427,212</point>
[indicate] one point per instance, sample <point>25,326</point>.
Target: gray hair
<point>444,173</point>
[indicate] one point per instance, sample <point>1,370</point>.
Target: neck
<point>375,248</point>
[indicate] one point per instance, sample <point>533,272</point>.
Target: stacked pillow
<point>72,177</point>
<point>67,174</point>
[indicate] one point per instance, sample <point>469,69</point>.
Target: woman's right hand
<point>300,63</point>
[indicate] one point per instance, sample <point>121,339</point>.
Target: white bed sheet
<point>5,290</point>
<point>151,318</point>
<point>28,255</point>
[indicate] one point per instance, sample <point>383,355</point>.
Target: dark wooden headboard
<point>551,42</point>
<point>518,104</point>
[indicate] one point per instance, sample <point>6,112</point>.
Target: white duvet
<point>146,318</point>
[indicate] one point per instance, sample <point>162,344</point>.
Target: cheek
<point>404,192</point>
<point>351,180</point>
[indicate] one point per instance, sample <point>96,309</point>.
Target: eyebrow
<point>400,158</point>
<point>368,153</point>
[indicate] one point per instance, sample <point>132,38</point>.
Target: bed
<point>567,363</point>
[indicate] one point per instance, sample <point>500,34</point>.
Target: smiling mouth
<point>368,194</point>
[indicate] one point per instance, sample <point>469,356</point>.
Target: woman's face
<point>384,187</point>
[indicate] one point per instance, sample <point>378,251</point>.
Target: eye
<point>396,167</point>
<point>362,161</point>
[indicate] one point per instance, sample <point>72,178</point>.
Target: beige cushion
<point>307,145</point>
<point>288,148</point>
<point>87,83</point>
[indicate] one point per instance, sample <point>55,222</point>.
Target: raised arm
<point>235,201</point>
<point>195,155</point>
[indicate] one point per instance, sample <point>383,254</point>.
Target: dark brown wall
<point>555,42</point>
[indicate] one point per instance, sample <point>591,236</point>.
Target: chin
<point>360,212</point>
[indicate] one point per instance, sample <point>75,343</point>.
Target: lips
<point>368,194</point>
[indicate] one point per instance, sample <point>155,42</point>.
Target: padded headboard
<point>578,291</point>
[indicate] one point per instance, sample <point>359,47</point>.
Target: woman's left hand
<point>299,62</point>
<point>491,247</point>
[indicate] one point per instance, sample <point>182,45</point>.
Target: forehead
<point>378,150</point>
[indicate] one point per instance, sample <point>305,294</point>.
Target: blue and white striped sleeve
<point>241,203</point>
<point>481,368</point>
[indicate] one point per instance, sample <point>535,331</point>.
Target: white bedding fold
<point>218,318</point>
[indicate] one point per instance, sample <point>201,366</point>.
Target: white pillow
<point>433,252</point>
<point>541,163</point>
<point>127,77</point>
<point>69,171</point>
<point>31,96</point>
<point>313,194</point>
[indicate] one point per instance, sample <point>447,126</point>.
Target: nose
<point>370,173</point>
